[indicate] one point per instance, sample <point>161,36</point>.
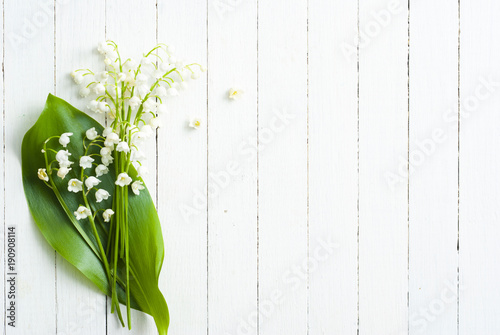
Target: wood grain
<point>479,182</point>
<point>325,201</point>
<point>182,173</point>
<point>433,177</point>
<point>333,172</point>
<point>28,78</point>
<point>232,171</point>
<point>81,308</point>
<point>383,137</point>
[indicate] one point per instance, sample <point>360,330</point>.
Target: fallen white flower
<point>195,123</point>
<point>235,93</point>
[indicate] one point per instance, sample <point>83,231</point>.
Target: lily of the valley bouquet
<point>83,182</point>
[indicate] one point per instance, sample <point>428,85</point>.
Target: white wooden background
<point>354,188</point>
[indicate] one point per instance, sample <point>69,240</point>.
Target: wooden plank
<point>135,35</point>
<point>479,166</point>
<point>182,167</point>
<point>4,243</point>
<point>29,77</point>
<point>282,166</point>
<point>433,180</point>
<point>232,170</point>
<point>383,137</point>
<point>81,307</point>
<point>333,168</point>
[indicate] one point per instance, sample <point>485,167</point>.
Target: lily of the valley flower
<point>101,195</point>
<point>107,160</point>
<point>122,147</point>
<point>42,174</point>
<point>64,139</point>
<point>195,123</point>
<point>99,89</point>
<point>102,107</point>
<point>84,92</point>
<point>154,122</point>
<point>75,185</point>
<point>62,157</point>
<point>137,187</point>
<point>123,179</point>
<point>101,169</point>
<point>82,213</point>
<point>235,93</point>
<point>91,182</point>
<point>93,105</point>
<point>142,171</point>
<point>134,101</point>
<point>136,155</point>
<point>106,151</point>
<point>86,162</point>
<point>107,131</point>
<point>106,215</point>
<point>63,171</point>
<point>172,92</point>
<point>91,134</point>
<point>78,78</point>
<point>111,140</point>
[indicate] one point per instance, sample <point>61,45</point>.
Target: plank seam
<point>258,173</point>
<point>307,175</point>
<point>458,176</point>
<point>55,93</point>
<point>358,190</point>
<point>207,175</point>
<point>3,152</point>
<point>408,181</point>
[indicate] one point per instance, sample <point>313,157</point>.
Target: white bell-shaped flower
<point>64,139</point>
<point>91,134</point>
<point>101,195</point>
<point>122,147</point>
<point>75,185</point>
<point>101,169</point>
<point>91,182</point>
<point>107,214</point>
<point>86,162</point>
<point>42,174</point>
<point>137,187</point>
<point>123,179</point>
<point>63,171</point>
<point>82,213</point>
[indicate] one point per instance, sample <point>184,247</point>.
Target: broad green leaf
<point>74,239</point>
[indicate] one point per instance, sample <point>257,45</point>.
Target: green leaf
<point>74,239</point>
